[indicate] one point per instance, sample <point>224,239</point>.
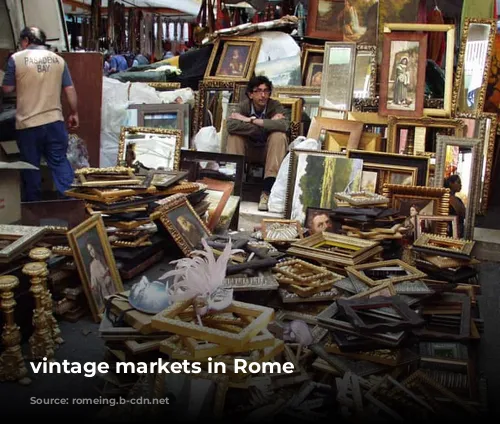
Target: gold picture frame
<point>311,54</point>
<point>223,46</point>
<point>294,104</point>
<point>359,271</point>
<point>444,244</point>
<point>202,106</point>
<point>486,52</point>
<point>341,126</point>
<point>22,237</point>
<point>395,122</point>
<point>449,60</point>
<point>408,196</point>
<point>126,156</point>
<point>165,86</point>
<point>183,224</point>
<point>451,219</point>
<point>96,265</point>
<point>281,230</point>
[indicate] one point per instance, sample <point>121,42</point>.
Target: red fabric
<point>422,12</point>
<point>436,41</point>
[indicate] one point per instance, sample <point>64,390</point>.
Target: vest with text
<point>39,74</point>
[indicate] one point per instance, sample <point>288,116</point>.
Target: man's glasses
<point>266,92</point>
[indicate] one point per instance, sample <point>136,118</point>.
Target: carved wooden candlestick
<point>41,254</point>
<point>41,343</point>
<point>12,366</point>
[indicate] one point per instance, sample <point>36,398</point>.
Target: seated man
<point>260,124</point>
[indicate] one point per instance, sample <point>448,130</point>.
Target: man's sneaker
<point>264,198</point>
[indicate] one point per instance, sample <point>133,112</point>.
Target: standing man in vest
<point>38,76</point>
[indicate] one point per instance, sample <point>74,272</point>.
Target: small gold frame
<point>131,130</point>
<point>445,244</point>
<point>453,219</point>
<point>362,198</point>
<point>412,272</point>
<point>295,104</point>
<point>256,316</point>
<point>293,225</point>
<point>302,273</point>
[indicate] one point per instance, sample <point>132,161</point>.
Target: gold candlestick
<point>12,367</point>
<point>41,343</point>
<point>41,254</point>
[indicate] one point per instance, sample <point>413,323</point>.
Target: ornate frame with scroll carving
<point>449,60</point>
<point>461,59</point>
<point>395,121</point>
<point>176,133</point>
<point>23,237</point>
<point>440,195</point>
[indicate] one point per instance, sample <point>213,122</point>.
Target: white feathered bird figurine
<point>200,277</point>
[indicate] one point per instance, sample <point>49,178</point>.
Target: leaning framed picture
<point>402,81</point>
<point>324,19</point>
<point>184,225</point>
<point>233,58</point>
<point>95,263</point>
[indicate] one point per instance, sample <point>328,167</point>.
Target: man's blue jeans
<point>51,141</point>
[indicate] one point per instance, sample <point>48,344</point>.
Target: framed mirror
<point>338,75</point>
<point>166,116</point>
<point>433,32</point>
<point>365,72</point>
<point>149,148</point>
<point>484,126</point>
<point>214,96</point>
<point>461,157</point>
<point>474,60</point>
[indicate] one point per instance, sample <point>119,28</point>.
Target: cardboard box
<point>10,190</point>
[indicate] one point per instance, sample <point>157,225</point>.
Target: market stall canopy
<point>189,7</point>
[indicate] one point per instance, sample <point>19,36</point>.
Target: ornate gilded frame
<point>295,228</point>
<point>309,50</point>
<point>318,124</point>
<point>96,222</point>
<point>395,121</point>
<point>176,133</point>
<point>460,247</point>
<point>295,105</point>
<point>23,237</point>
<point>200,106</point>
<point>475,144</point>
<point>253,42</point>
<point>451,219</point>
<point>488,134</point>
<point>174,232</point>
<point>165,86</point>
<point>373,68</point>
<point>358,271</point>
<point>440,195</point>
<point>449,60</point>
<point>459,73</point>
<point>309,95</point>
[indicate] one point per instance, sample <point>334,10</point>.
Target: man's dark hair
<point>34,35</point>
<point>256,81</point>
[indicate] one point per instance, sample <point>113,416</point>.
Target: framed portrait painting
<point>318,220</point>
<point>184,225</point>
<point>402,81</point>
<point>233,58</point>
<point>95,263</point>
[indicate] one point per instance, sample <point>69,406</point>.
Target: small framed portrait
<point>314,75</point>
<point>319,220</point>
<point>184,225</point>
<point>403,74</point>
<point>233,58</point>
<point>95,263</point>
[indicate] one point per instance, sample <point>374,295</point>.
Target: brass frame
<point>94,221</point>
<point>451,218</point>
<point>23,237</point>
<point>476,146</point>
<point>329,46</point>
<point>373,70</point>
<point>465,249</point>
<point>449,61</point>
<point>438,194</point>
<point>203,87</point>
<point>393,122</point>
<point>413,273</point>
<point>291,223</point>
<point>388,169</point>
<point>176,235</point>
<point>253,42</point>
<point>296,104</point>
<point>176,133</point>
<point>165,86</point>
<point>460,63</point>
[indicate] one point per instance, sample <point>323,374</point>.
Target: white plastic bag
<point>207,140</point>
<point>276,203</point>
